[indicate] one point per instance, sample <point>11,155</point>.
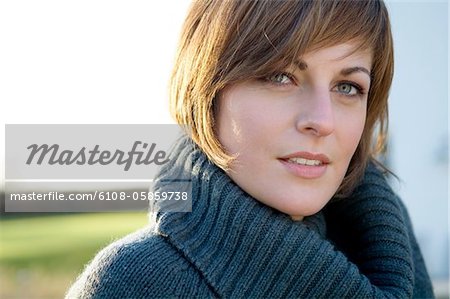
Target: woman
<point>281,99</point>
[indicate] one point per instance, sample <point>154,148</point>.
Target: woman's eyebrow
<point>350,70</point>
<point>302,65</point>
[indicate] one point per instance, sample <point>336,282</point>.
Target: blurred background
<point>109,62</point>
<point>418,145</point>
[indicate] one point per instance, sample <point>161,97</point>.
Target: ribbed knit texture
<point>232,246</point>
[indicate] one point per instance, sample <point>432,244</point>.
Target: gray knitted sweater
<point>232,246</point>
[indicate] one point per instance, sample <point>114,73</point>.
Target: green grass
<point>48,252</point>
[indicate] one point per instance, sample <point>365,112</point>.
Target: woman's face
<point>295,131</point>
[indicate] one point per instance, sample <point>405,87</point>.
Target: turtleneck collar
<point>243,248</point>
<point>229,235</point>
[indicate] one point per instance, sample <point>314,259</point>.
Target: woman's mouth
<point>306,165</point>
<point>302,161</point>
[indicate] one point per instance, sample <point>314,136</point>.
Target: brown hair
<point>227,41</point>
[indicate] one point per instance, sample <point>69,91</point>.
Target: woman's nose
<point>316,114</point>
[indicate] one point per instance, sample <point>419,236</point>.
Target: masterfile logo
<point>55,155</point>
<point>68,168</point>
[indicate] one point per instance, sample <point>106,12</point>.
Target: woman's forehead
<point>349,51</point>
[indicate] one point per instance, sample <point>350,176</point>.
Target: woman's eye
<point>348,89</point>
<point>280,78</point>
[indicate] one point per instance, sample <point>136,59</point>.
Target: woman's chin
<point>297,217</point>
<point>298,213</point>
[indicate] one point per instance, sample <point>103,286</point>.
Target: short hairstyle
<point>228,41</point>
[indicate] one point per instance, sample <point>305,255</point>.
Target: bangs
<point>279,32</point>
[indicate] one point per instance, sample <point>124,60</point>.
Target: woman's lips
<point>308,156</point>
<point>306,165</point>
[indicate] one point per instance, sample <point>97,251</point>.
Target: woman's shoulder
<point>142,264</point>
